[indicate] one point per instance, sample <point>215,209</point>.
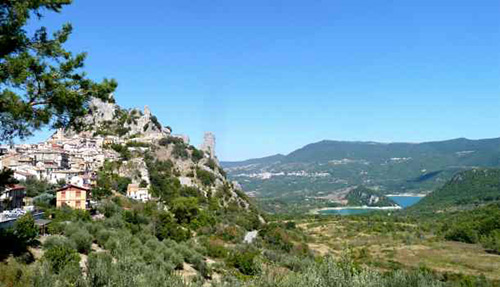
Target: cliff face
<point>109,119</point>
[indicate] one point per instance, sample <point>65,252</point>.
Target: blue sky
<point>271,76</point>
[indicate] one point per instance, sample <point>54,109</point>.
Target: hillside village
<point>72,159</point>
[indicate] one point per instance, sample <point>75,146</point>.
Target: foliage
<point>42,83</point>
<point>100,192</point>
<point>143,184</point>
<point>44,200</point>
<point>469,188</point>
<point>25,229</point>
<point>6,177</point>
<point>473,226</point>
<point>122,150</point>
<point>122,184</point>
<point>211,164</point>
<point>206,177</point>
<point>170,140</point>
<point>185,209</point>
<point>60,257</point>
<point>155,121</point>
<point>163,184</point>
<point>180,151</point>
<point>167,228</point>
<point>36,187</point>
<point>57,241</point>
<point>245,261</point>
<point>196,154</point>
<point>82,240</point>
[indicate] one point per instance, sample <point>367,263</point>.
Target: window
<point>78,194</point>
<point>63,194</point>
<point>78,203</point>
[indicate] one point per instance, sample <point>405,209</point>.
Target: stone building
<point>208,145</point>
<point>12,197</point>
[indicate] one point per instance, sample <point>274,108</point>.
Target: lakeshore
<point>340,208</point>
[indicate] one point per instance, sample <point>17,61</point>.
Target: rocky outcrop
<point>109,119</point>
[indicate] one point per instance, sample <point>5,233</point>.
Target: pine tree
<point>41,83</point>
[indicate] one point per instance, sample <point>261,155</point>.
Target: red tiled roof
<point>75,186</point>
<point>15,187</point>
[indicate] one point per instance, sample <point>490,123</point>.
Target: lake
<point>403,201</point>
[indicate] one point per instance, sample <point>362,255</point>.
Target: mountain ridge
<point>323,169</point>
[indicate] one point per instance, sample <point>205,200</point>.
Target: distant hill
<point>325,167</point>
<point>263,160</point>
<point>469,188</point>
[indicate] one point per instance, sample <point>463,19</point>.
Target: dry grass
<point>400,248</point>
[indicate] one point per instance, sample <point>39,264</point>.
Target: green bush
<point>462,233</point>
<point>170,140</point>
<point>196,154</point>
<point>165,227</point>
<point>180,151</point>
<point>60,257</point>
<point>25,229</point>
<point>206,177</point>
<point>100,269</point>
<point>215,248</point>
<point>82,240</point>
<point>492,242</point>
<point>57,241</point>
<point>245,262</point>
<point>185,209</point>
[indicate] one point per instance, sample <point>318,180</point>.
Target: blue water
<point>403,201</point>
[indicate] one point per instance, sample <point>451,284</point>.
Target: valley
<point>320,174</point>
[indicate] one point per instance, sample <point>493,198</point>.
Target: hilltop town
<point>111,134</point>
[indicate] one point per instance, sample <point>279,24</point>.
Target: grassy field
<point>392,245</point>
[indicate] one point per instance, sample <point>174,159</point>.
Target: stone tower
<point>208,145</point>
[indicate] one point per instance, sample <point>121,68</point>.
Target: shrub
<point>100,269</point>
<point>462,233</point>
<point>170,140</point>
<point>492,242</point>
<point>100,192</point>
<point>277,237</point>
<point>56,241</point>
<point>185,209</point>
<point>60,257</point>
<point>211,164</point>
<point>109,208</point>
<point>143,184</point>
<point>102,236</point>
<point>122,184</point>
<point>180,151</point>
<point>215,248</point>
<point>206,177</point>
<point>83,241</point>
<point>174,257</point>
<point>25,229</point>
<point>245,262</point>
<point>196,154</point>
<point>166,228</point>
